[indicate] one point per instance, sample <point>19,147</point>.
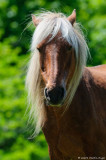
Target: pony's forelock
<point>51,24</point>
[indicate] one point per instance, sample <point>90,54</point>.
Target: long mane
<point>51,24</point>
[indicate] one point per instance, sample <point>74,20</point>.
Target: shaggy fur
<point>51,24</point>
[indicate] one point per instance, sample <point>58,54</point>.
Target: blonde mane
<point>52,23</point>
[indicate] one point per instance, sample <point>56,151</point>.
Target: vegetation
<point>14,55</point>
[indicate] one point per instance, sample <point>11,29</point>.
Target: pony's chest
<point>62,136</point>
<point>70,142</point>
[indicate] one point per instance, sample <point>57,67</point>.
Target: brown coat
<point>81,130</point>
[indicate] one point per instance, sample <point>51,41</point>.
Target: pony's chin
<point>48,103</point>
<point>55,105</point>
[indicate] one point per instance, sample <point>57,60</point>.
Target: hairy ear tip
<point>33,16</point>
<point>35,20</point>
<point>72,17</point>
<point>74,11</point>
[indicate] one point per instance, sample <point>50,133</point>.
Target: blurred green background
<point>14,55</point>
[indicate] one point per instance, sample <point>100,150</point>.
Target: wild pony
<point>68,100</point>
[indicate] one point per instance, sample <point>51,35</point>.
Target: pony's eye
<point>39,49</point>
<point>43,68</point>
<point>69,48</point>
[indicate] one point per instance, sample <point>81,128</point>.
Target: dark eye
<point>69,48</point>
<point>42,68</point>
<point>39,49</point>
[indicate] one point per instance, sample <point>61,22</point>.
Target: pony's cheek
<point>44,77</point>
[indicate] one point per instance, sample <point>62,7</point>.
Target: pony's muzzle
<point>54,96</point>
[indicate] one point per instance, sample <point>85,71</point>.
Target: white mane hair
<point>51,24</point>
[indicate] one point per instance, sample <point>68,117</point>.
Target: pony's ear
<point>35,20</point>
<point>72,17</point>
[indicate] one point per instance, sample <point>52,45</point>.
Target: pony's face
<point>57,63</point>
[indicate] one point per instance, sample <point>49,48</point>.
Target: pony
<point>67,99</point>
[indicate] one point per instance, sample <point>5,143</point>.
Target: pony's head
<point>57,64</point>
<point>59,54</point>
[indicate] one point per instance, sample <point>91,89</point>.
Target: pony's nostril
<point>46,94</point>
<point>55,95</point>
